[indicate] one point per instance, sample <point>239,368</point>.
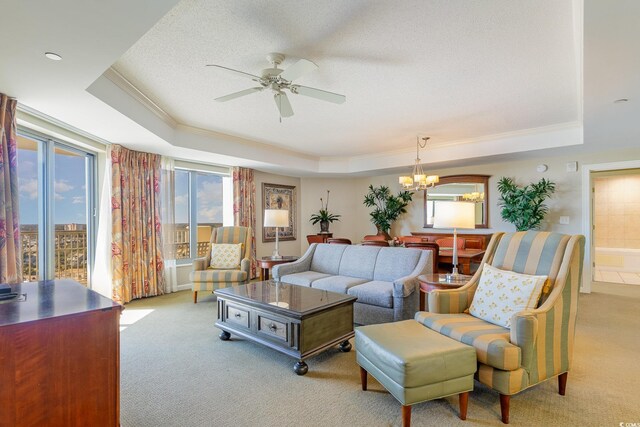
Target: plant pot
<point>383,233</point>
<point>324,226</point>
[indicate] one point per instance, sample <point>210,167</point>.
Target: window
<point>56,209</point>
<point>199,208</point>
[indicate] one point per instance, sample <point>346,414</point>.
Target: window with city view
<point>59,221</point>
<point>198,209</point>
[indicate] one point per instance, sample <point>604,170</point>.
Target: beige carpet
<point>176,372</point>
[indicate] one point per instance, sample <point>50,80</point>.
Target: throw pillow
<point>501,294</point>
<point>226,256</point>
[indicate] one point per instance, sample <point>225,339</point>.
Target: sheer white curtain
<point>101,280</point>
<point>168,195</point>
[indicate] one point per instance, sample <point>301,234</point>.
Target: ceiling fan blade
<point>238,94</point>
<point>237,72</point>
<point>298,69</point>
<point>323,95</point>
<point>283,104</point>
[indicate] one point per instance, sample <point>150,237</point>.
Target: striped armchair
<point>539,344</point>
<point>204,278</point>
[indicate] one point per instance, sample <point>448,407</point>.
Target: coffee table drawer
<point>273,328</point>
<point>238,316</point>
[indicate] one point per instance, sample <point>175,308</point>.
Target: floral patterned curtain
<point>136,248</point>
<point>10,247</point>
<point>244,207</point>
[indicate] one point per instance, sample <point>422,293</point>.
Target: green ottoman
<point>415,364</point>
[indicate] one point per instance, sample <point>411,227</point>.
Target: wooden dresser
<point>59,357</point>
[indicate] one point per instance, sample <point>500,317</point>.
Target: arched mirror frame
<point>463,179</point>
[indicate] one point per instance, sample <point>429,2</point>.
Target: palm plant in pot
<point>323,216</point>
<point>387,207</point>
<point>524,206</point>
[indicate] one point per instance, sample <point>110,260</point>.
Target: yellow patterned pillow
<point>226,256</point>
<point>501,294</point>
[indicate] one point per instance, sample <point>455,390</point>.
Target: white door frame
<point>587,216</point>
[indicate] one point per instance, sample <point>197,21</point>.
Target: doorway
<point>611,224</point>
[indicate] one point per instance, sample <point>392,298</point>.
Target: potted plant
<point>324,217</point>
<point>524,206</point>
<point>387,207</point>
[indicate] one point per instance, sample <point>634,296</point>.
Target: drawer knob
<point>273,327</point>
<point>238,315</point>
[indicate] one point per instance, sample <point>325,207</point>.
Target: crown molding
<point>119,80</point>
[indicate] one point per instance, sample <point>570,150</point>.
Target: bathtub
<point>618,259</point>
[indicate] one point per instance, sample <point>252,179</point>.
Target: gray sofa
<point>383,279</point>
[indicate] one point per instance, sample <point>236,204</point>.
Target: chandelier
<point>418,180</point>
<point>475,197</point>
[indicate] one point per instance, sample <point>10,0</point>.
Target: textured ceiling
<point>453,70</point>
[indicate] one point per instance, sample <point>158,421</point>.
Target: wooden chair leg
<point>562,383</point>
<point>504,407</point>
<point>464,403</point>
<point>363,378</point>
<point>195,297</point>
<point>406,416</point>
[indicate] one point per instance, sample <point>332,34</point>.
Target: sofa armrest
<point>409,284</point>
<point>200,264</point>
<point>301,264</point>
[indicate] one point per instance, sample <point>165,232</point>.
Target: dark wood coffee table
<point>295,320</point>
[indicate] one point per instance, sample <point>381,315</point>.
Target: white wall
<point>355,221</point>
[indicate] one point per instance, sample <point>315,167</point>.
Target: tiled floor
<point>616,277</point>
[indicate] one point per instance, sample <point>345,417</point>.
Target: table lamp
<point>276,218</point>
<point>455,215</point>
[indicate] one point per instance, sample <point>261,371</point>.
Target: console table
<point>60,357</point>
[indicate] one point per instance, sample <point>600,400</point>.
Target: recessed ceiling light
<point>53,56</point>
<point>621,100</point>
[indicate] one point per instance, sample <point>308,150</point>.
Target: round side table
<point>266,263</point>
<point>429,282</point>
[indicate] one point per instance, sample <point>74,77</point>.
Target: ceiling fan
<point>278,80</point>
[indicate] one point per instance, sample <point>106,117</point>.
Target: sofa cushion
<point>336,283</point>
<point>226,256</point>
<point>326,258</point>
<point>304,278</point>
<point>359,261</point>
<point>218,276</point>
<point>491,342</point>
<point>394,263</point>
<point>376,292</point>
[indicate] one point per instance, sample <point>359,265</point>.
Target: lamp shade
<point>276,218</point>
<point>455,215</point>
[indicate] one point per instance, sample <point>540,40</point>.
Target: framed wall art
<point>276,196</point>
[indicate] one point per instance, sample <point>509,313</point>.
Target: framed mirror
<point>473,188</point>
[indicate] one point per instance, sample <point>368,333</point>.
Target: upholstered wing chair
<point>539,344</point>
<point>204,278</point>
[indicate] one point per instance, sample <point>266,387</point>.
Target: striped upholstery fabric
<point>206,279</point>
<point>219,276</point>
<point>490,341</point>
<point>545,335</point>
<point>504,382</point>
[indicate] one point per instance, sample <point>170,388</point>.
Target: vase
<point>383,233</point>
<point>324,226</point>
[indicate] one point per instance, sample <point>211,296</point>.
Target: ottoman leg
<point>464,401</point>
<point>406,416</point>
<point>363,378</point>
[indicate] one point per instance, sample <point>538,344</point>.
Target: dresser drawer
<point>273,328</point>
<point>238,316</point>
